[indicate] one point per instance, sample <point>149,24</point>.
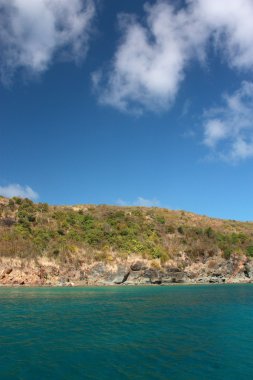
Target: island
<point>87,245</point>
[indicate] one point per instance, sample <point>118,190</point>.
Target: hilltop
<point>88,244</point>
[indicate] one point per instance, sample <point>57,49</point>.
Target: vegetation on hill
<point>30,230</point>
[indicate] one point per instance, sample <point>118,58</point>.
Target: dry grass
<point>104,233</point>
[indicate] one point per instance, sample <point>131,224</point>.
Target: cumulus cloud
<point>228,130</point>
<point>154,53</point>
<point>231,25</point>
<point>149,63</point>
<point>33,33</point>
<point>140,201</point>
<point>15,190</point>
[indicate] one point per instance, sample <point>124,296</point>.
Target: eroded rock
<point>137,266</point>
<point>121,278</point>
<point>156,281</point>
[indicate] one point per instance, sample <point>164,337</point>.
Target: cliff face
<point>129,272</point>
<point>107,245</point>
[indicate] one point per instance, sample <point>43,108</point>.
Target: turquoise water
<point>180,332</point>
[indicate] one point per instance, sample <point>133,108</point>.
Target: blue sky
<point>132,103</point>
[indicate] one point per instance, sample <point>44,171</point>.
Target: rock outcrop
<point>138,272</point>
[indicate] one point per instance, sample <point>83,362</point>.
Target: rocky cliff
<point>130,272</point>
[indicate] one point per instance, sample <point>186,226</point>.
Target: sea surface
<point>177,332</point>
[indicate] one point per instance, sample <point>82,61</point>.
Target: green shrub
<point>181,230</point>
<point>17,200</point>
<point>12,204</point>
<point>210,233</point>
<point>160,219</point>
<point>250,251</point>
<point>43,207</point>
<point>227,253</point>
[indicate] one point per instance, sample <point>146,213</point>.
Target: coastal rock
<point>156,281</point>
<point>127,271</point>
<point>137,266</point>
<point>173,275</point>
<point>63,281</point>
<point>151,273</point>
<point>82,276</point>
<point>213,280</point>
<point>248,269</point>
<point>135,278</point>
<point>143,281</point>
<point>170,270</point>
<point>6,272</point>
<point>121,278</point>
<point>158,277</point>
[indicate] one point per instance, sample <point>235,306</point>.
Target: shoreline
<point>83,286</point>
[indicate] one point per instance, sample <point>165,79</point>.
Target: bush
<point>180,230</point>
<point>43,207</point>
<point>17,200</point>
<point>227,253</point>
<point>12,204</point>
<point>160,219</point>
<point>250,251</point>
<point>170,229</point>
<point>210,233</point>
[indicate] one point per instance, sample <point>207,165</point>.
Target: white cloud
<point>146,202</point>
<point>140,201</point>
<point>215,131</point>
<point>15,190</point>
<point>33,32</point>
<point>232,28</point>
<point>148,66</point>
<point>228,130</point>
<point>153,54</point>
<point>121,202</point>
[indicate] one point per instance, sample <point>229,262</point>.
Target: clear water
<point>181,332</point>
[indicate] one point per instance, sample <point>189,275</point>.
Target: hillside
<point>87,244</point>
